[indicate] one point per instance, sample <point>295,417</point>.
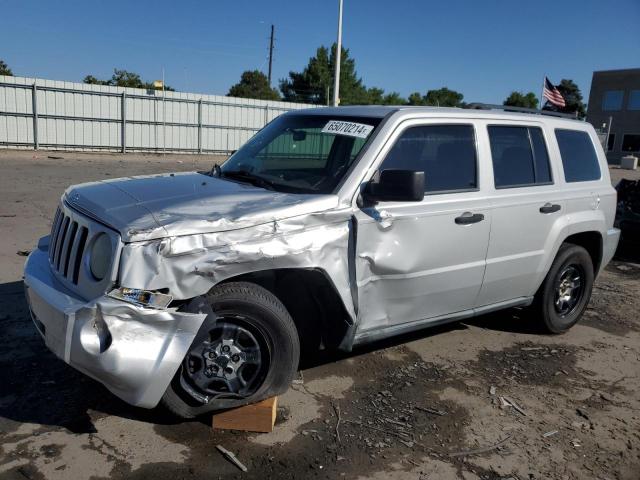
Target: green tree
<point>314,84</point>
<point>519,99</point>
<point>572,99</point>
<point>5,70</point>
<point>123,78</point>
<point>90,79</point>
<point>416,99</point>
<point>443,97</point>
<point>375,96</point>
<point>393,98</point>
<point>254,84</point>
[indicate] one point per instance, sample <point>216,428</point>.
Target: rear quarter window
<point>579,158</point>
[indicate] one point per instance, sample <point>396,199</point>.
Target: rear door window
<point>579,158</point>
<point>445,153</point>
<point>519,156</point>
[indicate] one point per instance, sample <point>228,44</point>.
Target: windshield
<point>301,153</point>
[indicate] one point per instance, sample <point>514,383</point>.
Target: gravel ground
<point>410,407</point>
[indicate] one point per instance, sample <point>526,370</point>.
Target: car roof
<point>381,111</point>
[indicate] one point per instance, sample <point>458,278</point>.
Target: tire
<point>556,312</point>
<point>261,318</point>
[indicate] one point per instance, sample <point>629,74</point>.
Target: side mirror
<point>396,186</point>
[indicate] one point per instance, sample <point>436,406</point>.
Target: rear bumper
<point>609,246</point>
<point>133,351</point>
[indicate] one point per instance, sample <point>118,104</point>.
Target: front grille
<point>73,236</point>
<point>66,246</point>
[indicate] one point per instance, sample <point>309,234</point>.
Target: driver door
<point>422,261</point>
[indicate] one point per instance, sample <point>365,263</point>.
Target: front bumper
<point>133,351</point>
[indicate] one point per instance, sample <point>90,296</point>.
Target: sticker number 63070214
<point>350,129</point>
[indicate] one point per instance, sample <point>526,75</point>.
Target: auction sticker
<point>350,129</point>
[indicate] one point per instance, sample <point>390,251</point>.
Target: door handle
<point>549,208</point>
<point>468,218</point>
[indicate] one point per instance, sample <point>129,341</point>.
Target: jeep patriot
<point>330,228</point>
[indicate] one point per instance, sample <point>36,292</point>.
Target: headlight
<point>100,256</point>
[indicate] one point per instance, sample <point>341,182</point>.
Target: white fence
<point>50,114</point>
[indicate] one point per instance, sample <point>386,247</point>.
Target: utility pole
<point>270,54</point>
<point>336,79</point>
<point>164,118</point>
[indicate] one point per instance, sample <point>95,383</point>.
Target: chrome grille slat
<point>78,253</point>
<point>70,240</point>
<point>54,247</point>
<point>60,241</point>
<point>54,233</point>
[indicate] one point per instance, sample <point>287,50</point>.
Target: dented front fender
<point>190,265</point>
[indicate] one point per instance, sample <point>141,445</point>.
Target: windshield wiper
<point>245,176</point>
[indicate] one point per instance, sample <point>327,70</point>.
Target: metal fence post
<point>266,114</point>
<point>200,126</point>
<point>34,109</point>
<point>123,111</point>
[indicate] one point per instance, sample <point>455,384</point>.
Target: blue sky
<point>484,49</point>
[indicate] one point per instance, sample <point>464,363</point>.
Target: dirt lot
<point>406,408</point>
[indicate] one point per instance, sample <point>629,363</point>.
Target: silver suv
<point>330,228</point>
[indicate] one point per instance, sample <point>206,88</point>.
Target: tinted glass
<point>519,156</point>
<point>634,100</point>
<point>445,153</point>
<point>295,153</point>
<point>540,156</point>
<point>579,158</point>
<point>631,143</point>
<point>612,100</point>
<point>611,141</point>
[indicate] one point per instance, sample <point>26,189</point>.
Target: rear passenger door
<point>423,260</point>
<point>527,207</point>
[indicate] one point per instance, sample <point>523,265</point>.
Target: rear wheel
<point>564,295</point>
<point>249,352</point>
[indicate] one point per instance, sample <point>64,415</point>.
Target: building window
<point>611,141</point>
<point>634,100</point>
<point>631,143</point>
<point>612,100</point>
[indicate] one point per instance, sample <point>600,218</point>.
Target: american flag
<point>551,93</point>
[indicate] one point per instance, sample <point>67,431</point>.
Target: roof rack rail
<point>507,108</point>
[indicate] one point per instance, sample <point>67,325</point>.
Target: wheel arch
<point>592,242</point>
<point>590,239</point>
<point>312,300</point>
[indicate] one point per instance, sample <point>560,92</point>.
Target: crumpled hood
<point>157,206</point>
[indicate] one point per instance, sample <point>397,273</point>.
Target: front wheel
<point>564,295</point>
<point>249,352</point>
